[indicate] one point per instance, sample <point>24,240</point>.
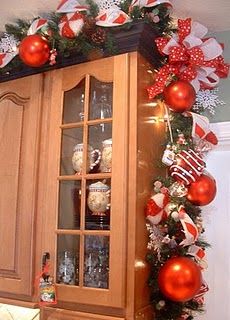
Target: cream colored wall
<point>223,112</point>
<point>217,225</point>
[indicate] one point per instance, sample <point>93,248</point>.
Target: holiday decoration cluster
<point>186,81</point>
<point>75,29</point>
<point>193,66</point>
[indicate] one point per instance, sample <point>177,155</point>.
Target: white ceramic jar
<point>106,157</point>
<point>98,198</point>
<point>93,158</point>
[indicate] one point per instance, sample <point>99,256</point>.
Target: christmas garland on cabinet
<point>75,29</point>
<point>191,67</point>
<point>193,64</point>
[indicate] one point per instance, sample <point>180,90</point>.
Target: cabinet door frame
<point>108,69</point>
<point>24,95</point>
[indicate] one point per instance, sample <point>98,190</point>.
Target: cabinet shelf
<point>84,232</point>
<point>87,176</point>
<point>81,124</point>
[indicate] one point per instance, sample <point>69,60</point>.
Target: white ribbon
<point>210,48</point>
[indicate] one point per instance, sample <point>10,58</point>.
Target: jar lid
<point>107,142</point>
<point>79,146</point>
<point>98,186</point>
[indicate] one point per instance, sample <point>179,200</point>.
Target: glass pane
<point>97,215</point>
<point>100,139</point>
<point>73,107</point>
<point>71,162</point>
<point>69,205</point>
<point>101,95</point>
<point>96,262</point>
<point>68,259</point>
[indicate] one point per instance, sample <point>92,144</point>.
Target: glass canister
<point>93,158</point>
<point>67,268</point>
<point>106,156</point>
<point>98,198</point>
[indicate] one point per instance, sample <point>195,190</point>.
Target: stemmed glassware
<point>101,102</point>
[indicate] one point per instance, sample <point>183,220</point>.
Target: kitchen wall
<point>223,112</point>
<point>217,224</point>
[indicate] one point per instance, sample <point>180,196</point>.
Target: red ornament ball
<point>180,279</point>
<point>180,96</point>
<point>202,191</point>
<point>34,50</point>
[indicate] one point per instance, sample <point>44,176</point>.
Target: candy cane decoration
<point>157,208</point>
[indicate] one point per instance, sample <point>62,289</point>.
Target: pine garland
<point>166,309</point>
<point>170,237</point>
<point>91,44</point>
<point>19,29</point>
<point>166,237</point>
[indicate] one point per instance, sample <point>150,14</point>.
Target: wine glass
<point>101,103</point>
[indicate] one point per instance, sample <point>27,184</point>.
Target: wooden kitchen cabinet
<point>20,120</point>
<point>91,206</point>
<point>79,147</point>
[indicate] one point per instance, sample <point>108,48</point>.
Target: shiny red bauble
<point>202,191</point>
<point>34,50</point>
<point>179,96</point>
<point>180,279</point>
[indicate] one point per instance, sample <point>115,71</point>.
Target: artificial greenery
<point>164,308</point>
<point>19,29</point>
<point>172,310</point>
<point>93,41</point>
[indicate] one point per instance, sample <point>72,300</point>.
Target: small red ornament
<point>179,96</point>
<point>202,191</point>
<point>187,167</point>
<point>34,50</point>
<point>180,279</point>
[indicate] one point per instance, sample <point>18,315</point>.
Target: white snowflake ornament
<point>208,100</point>
<point>8,44</point>
<point>107,4</point>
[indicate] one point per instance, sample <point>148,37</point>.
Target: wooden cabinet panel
<point>39,187</point>
<point>60,314</point>
<point>10,117</point>
<point>19,131</point>
<point>133,153</point>
<point>65,80</point>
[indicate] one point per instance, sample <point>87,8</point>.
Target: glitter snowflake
<point>107,4</point>
<point>207,100</point>
<point>155,239</point>
<point>8,44</point>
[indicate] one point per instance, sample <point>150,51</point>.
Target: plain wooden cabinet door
<point>20,108</point>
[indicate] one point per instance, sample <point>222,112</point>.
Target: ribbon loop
<point>194,58</point>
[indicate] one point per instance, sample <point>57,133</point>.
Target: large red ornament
<point>202,191</point>
<point>179,96</point>
<point>180,279</point>
<point>187,167</point>
<point>34,50</point>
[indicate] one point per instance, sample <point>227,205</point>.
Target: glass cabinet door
<point>84,197</point>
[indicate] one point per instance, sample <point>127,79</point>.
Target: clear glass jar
<point>67,268</point>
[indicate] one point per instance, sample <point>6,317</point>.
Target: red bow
<point>190,58</point>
